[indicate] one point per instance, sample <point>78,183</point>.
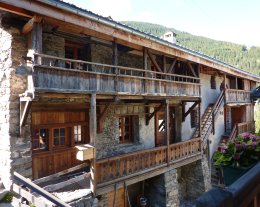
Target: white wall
<point>208,96</point>
<point>219,131</point>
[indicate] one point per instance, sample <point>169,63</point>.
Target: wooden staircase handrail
<point>233,133</point>
<point>218,102</point>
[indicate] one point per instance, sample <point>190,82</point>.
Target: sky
<point>236,21</point>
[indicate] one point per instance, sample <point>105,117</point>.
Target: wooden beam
<point>145,65</point>
<point>190,109</point>
<point>101,118</point>
<point>36,39</point>
<point>93,119</point>
<point>92,132</point>
<point>37,201</point>
<point>192,69</point>
<point>149,117</point>
<point>154,61</point>
<point>114,53</point>
<point>39,190</point>
<point>167,130</point>
<point>24,111</point>
<point>29,25</point>
<point>15,10</point>
<point>171,68</point>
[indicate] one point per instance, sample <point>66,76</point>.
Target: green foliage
<point>241,152</point>
<point>7,198</point>
<point>234,54</point>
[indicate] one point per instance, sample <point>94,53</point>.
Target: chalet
<point>94,111</point>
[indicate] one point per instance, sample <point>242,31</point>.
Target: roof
<point>110,22</point>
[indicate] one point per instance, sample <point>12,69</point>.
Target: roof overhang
<point>82,21</point>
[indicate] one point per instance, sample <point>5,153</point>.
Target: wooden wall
<point>57,158</point>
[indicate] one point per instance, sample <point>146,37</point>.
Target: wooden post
<point>199,118</point>
<point>36,38</point>
<point>92,132</point>
<point>145,65</point>
<point>225,83</point>
<point>115,63</point>
<point>167,129</point>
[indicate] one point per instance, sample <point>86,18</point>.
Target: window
<point>77,134</point>
<point>213,82</point>
<point>58,136</point>
<point>126,129</point>
<point>194,118</point>
<point>40,139</point>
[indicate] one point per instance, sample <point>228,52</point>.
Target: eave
<point>88,23</point>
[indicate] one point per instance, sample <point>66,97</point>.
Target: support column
<point>199,111</point>
<point>145,65</point>
<point>92,132</point>
<point>115,63</point>
<point>36,38</point>
<point>167,129</point>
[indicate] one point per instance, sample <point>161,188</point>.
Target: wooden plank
<point>190,109</point>
<point>39,190</point>
<point>37,201</point>
<point>167,130</point>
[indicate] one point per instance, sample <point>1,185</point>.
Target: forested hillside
<point>237,55</point>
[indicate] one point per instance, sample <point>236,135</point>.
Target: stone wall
<point>107,142</point>
<point>103,54</point>
<point>194,179</point>
<point>15,147</point>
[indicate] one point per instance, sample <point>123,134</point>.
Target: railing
<point>245,127</point>
<point>35,188</point>
<point>131,164</point>
<point>237,96</point>
<point>56,73</point>
<point>233,134</point>
<point>242,128</point>
<point>216,109</point>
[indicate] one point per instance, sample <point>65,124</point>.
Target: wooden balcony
<point>53,74</point>
<point>237,96</point>
<point>115,169</point>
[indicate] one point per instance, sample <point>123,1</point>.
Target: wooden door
<point>236,115</point>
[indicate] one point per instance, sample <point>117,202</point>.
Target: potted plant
<point>237,156</point>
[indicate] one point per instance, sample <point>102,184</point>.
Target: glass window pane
<point>56,133</point>
<point>56,141</point>
<point>62,140</point>
<point>62,132</point>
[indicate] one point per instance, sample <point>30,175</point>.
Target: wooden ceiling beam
<point>15,10</point>
<point>29,25</point>
<point>152,58</point>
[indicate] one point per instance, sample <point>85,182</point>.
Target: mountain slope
<point>235,54</point>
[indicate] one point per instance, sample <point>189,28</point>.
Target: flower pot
<point>231,174</point>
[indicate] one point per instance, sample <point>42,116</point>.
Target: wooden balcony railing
<point>237,96</point>
<point>242,128</point>
<point>132,164</point>
<point>245,127</point>
<point>55,73</point>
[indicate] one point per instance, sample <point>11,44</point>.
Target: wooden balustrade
<point>56,73</point>
<point>237,96</point>
<point>245,127</point>
<point>146,160</point>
